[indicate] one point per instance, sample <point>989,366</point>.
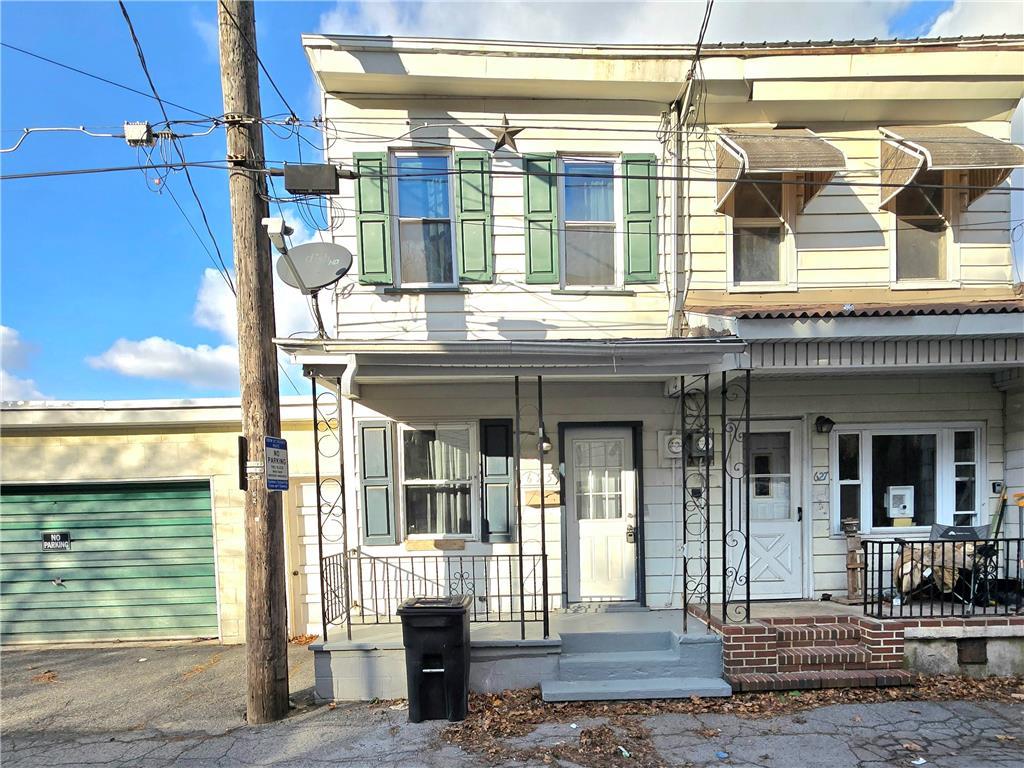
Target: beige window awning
<point>908,150</point>
<point>753,151</point>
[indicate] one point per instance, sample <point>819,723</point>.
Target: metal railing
<point>974,577</point>
<point>504,588</point>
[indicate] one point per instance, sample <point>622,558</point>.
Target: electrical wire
<point>215,164</point>
<point>108,81</point>
<point>225,272</point>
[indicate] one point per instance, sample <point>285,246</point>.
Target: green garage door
<point>106,562</point>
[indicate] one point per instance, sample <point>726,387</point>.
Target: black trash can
<point>435,632</point>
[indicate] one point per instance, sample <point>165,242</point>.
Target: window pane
<point>756,254</point>
<point>849,503</point>
<point>590,255</point>
<point>441,454</point>
<point>965,496</point>
<point>963,446</point>
<point>903,460</point>
<point>437,510</point>
<point>589,192</point>
<point>920,249</point>
<point>423,187</point>
<point>916,200</point>
<point>849,457</point>
<point>760,198</point>
<point>426,251</point>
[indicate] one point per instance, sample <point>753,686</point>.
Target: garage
<point>107,561</point>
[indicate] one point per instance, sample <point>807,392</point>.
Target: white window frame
<point>474,482</point>
<point>618,224</point>
<point>951,211</point>
<point>945,496</point>
<point>396,237</point>
<point>787,245</point>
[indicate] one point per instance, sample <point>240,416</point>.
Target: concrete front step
<point>807,635</point>
<point>832,678</point>
<point>616,690</point>
<point>610,642</point>
<point>823,657</point>
<point>686,661</point>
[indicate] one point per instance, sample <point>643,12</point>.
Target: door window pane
<point>770,476</point>
<point>590,255</point>
<point>426,251</point>
<point>423,187</point>
<point>903,460</point>
<point>589,191</point>
<point>756,254</point>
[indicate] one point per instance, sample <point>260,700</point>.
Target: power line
<point>176,144</point>
<point>108,81</point>
<point>113,169</point>
<point>252,50</point>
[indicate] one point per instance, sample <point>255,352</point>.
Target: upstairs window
<point>921,229</point>
<point>589,218</point>
<point>424,223</point>
<point>758,231</point>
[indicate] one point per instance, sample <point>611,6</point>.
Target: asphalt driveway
<point>182,705</point>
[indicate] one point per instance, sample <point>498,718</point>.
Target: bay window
<point>935,465</point>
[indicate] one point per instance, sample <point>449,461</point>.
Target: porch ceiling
<point>358,363</point>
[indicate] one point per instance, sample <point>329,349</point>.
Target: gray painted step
<point>613,690</point>
<point>690,660</point>
<point>598,642</point>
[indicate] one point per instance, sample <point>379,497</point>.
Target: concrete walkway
<point>183,706</point>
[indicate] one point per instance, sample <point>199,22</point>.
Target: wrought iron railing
<point>974,577</point>
<point>504,588</point>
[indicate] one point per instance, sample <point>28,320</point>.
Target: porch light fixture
<point>543,443</point>
<point>823,425</point>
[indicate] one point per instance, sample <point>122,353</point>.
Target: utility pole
<point>266,631</point>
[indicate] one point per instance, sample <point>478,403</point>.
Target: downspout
<point>680,208</point>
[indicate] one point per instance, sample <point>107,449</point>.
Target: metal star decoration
<point>505,136</point>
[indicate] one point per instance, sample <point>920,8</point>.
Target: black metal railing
<point>974,577</point>
<point>504,588</point>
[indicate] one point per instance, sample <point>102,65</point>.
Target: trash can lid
<point>454,604</point>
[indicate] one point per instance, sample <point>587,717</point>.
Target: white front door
<point>600,482</point>
<point>776,564</point>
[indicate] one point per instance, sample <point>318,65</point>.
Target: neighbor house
<point>627,330</point>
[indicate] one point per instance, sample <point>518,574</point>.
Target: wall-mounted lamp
<point>543,442</point>
<point>823,425</point>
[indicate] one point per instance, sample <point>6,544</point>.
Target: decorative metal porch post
<point>696,458</point>
<point>735,500</point>
<point>541,437</point>
<point>519,514</point>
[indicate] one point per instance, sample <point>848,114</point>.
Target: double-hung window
<point>424,230</point>
<point>759,231</point>
<point>437,479</point>
<point>872,465</point>
<point>922,231</point>
<point>592,245</point>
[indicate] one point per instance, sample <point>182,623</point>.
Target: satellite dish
<point>312,266</point>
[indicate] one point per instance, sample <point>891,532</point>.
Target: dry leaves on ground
<point>303,639</point>
<point>49,676</point>
<point>495,719</point>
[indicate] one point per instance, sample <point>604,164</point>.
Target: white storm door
<point>600,480</point>
<point>776,563</point>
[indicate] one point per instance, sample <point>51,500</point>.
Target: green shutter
<point>540,202</point>
<point>498,486</point>
<point>373,221</point>
<point>474,232</point>
<point>376,483</point>
<point>641,218</point>
<point>141,563</point>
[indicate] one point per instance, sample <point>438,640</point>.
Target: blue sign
<point>276,450</point>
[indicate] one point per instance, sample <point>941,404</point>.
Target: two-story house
<point>623,331</point>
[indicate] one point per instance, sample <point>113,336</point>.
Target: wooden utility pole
<point>266,631</point>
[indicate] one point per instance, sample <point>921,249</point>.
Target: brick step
<point>833,678</point>
<point>808,635</point>
<point>827,657</point>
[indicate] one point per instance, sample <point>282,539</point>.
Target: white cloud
<point>980,17</point>
<point>207,30</point>
<point>588,21</point>
<point>207,366</point>
<point>15,354</point>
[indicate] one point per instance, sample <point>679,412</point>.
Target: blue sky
<point>105,291</point>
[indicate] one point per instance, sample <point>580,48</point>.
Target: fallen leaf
<point>332,705</point>
<point>49,676</point>
<point>912,746</point>
<point>1004,737</point>
<point>709,733</point>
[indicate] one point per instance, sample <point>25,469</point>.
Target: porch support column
<point>319,514</point>
<point>541,439</point>
<point>519,512</point>
<point>345,579</point>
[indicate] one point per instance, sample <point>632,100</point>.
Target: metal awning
<point>752,151</point>
<point>356,363</point>
<point>908,150</point>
